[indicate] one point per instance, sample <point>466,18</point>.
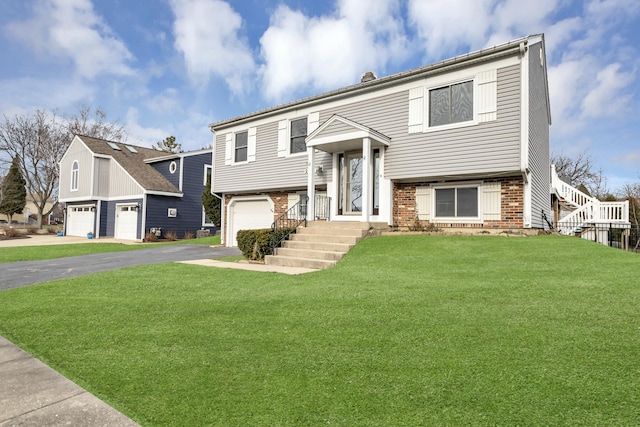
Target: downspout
<point>524,136</point>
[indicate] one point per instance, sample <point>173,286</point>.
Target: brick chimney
<point>367,77</point>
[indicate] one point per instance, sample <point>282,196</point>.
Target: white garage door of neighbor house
<point>80,220</point>
<point>250,215</point>
<point>126,222</point>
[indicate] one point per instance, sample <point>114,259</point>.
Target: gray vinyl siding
<point>489,147</point>
<point>337,128</point>
<point>483,148</point>
<point>268,172</point>
<point>101,177</point>
<point>77,152</point>
<point>120,182</point>
<point>538,139</point>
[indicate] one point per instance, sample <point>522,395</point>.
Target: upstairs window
<point>451,104</point>
<point>298,135</point>
<point>74,176</point>
<point>241,146</point>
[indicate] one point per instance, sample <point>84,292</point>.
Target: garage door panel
<point>126,222</point>
<point>80,220</point>
<point>250,215</point>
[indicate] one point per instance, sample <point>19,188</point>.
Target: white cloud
<point>70,29</point>
<point>23,95</point>
<point>326,52</point>
<point>608,96</point>
<point>207,34</point>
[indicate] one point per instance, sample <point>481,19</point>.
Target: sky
<point>172,67</point>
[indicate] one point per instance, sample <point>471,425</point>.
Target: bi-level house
<point>124,191</point>
<point>459,143</point>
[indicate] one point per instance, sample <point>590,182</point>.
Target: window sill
<point>450,126</point>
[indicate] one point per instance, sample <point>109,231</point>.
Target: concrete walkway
<point>32,394</point>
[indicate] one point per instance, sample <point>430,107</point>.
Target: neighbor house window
<point>298,135</point>
<point>242,139</point>
<point>451,104</point>
<point>74,176</point>
<point>457,202</point>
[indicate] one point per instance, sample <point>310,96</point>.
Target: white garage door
<point>249,215</point>
<point>126,222</point>
<point>80,220</point>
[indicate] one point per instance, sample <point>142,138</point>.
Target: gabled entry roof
<point>341,134</point>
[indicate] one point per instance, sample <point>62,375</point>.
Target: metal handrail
<point>291,219</point>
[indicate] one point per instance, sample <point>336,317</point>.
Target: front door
<point>350,188</point>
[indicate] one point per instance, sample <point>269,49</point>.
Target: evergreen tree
<point>169,145</point>
<point>211,204</point>
<point>14,191</point>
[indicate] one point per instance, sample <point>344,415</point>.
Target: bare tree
<point>631,192</point>
<point>93,122</point>
<point>40,140</point>
<point>581,169</point>
<point>34,141</point>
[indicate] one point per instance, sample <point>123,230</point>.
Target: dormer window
<point>74,176</point>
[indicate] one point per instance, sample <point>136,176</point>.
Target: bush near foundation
<point>256,244</point>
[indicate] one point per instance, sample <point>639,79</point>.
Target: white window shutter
<point>283,137</point>
<point>423,203</point>
<point>251,145</point>
<point>313,121</point>
<point>488,96</point>
<point>416,109</point>
<point>228,149</point>
<point>492,201</point>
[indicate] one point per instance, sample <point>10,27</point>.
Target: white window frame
<point>427,105</point>
<point>284,133</point>
<point>467,219</point>
<point>75,168</point>
<point>290,144</point>
<point>235,147</point>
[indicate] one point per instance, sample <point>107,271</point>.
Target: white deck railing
<point>589,210</point>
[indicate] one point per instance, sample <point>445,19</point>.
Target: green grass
<point>25,253</point>
<point>405,331</point>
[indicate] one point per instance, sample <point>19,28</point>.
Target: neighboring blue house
<point>119,190</point>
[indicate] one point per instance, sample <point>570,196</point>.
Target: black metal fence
<point>619,236</point>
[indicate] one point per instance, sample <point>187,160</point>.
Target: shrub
<point>171,235</point>
<point>11,233</point>
<point>150,237</point>
<point>32,230</point>
<point>256,244</point>
<point>188,235</point>
<point>51,230</point>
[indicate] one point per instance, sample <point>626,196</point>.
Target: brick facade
<point>511,210</point>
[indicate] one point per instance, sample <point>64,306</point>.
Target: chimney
<point>367,77</point>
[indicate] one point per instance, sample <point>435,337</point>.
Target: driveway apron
<point>23,273</point>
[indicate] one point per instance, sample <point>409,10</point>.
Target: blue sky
<point>171,67</point>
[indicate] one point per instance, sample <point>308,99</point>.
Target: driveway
<point>23,273</point>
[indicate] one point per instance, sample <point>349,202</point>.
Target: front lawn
<point>33,253</point>
<point>405,331</point>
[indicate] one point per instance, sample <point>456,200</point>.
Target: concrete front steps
<point>321,244</point>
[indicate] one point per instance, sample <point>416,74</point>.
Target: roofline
<point>360,88</point>
<point>178,155</point>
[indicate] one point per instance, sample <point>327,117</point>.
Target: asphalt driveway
<point>23,273</point>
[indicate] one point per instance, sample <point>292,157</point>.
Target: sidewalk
<point>32,394</point>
